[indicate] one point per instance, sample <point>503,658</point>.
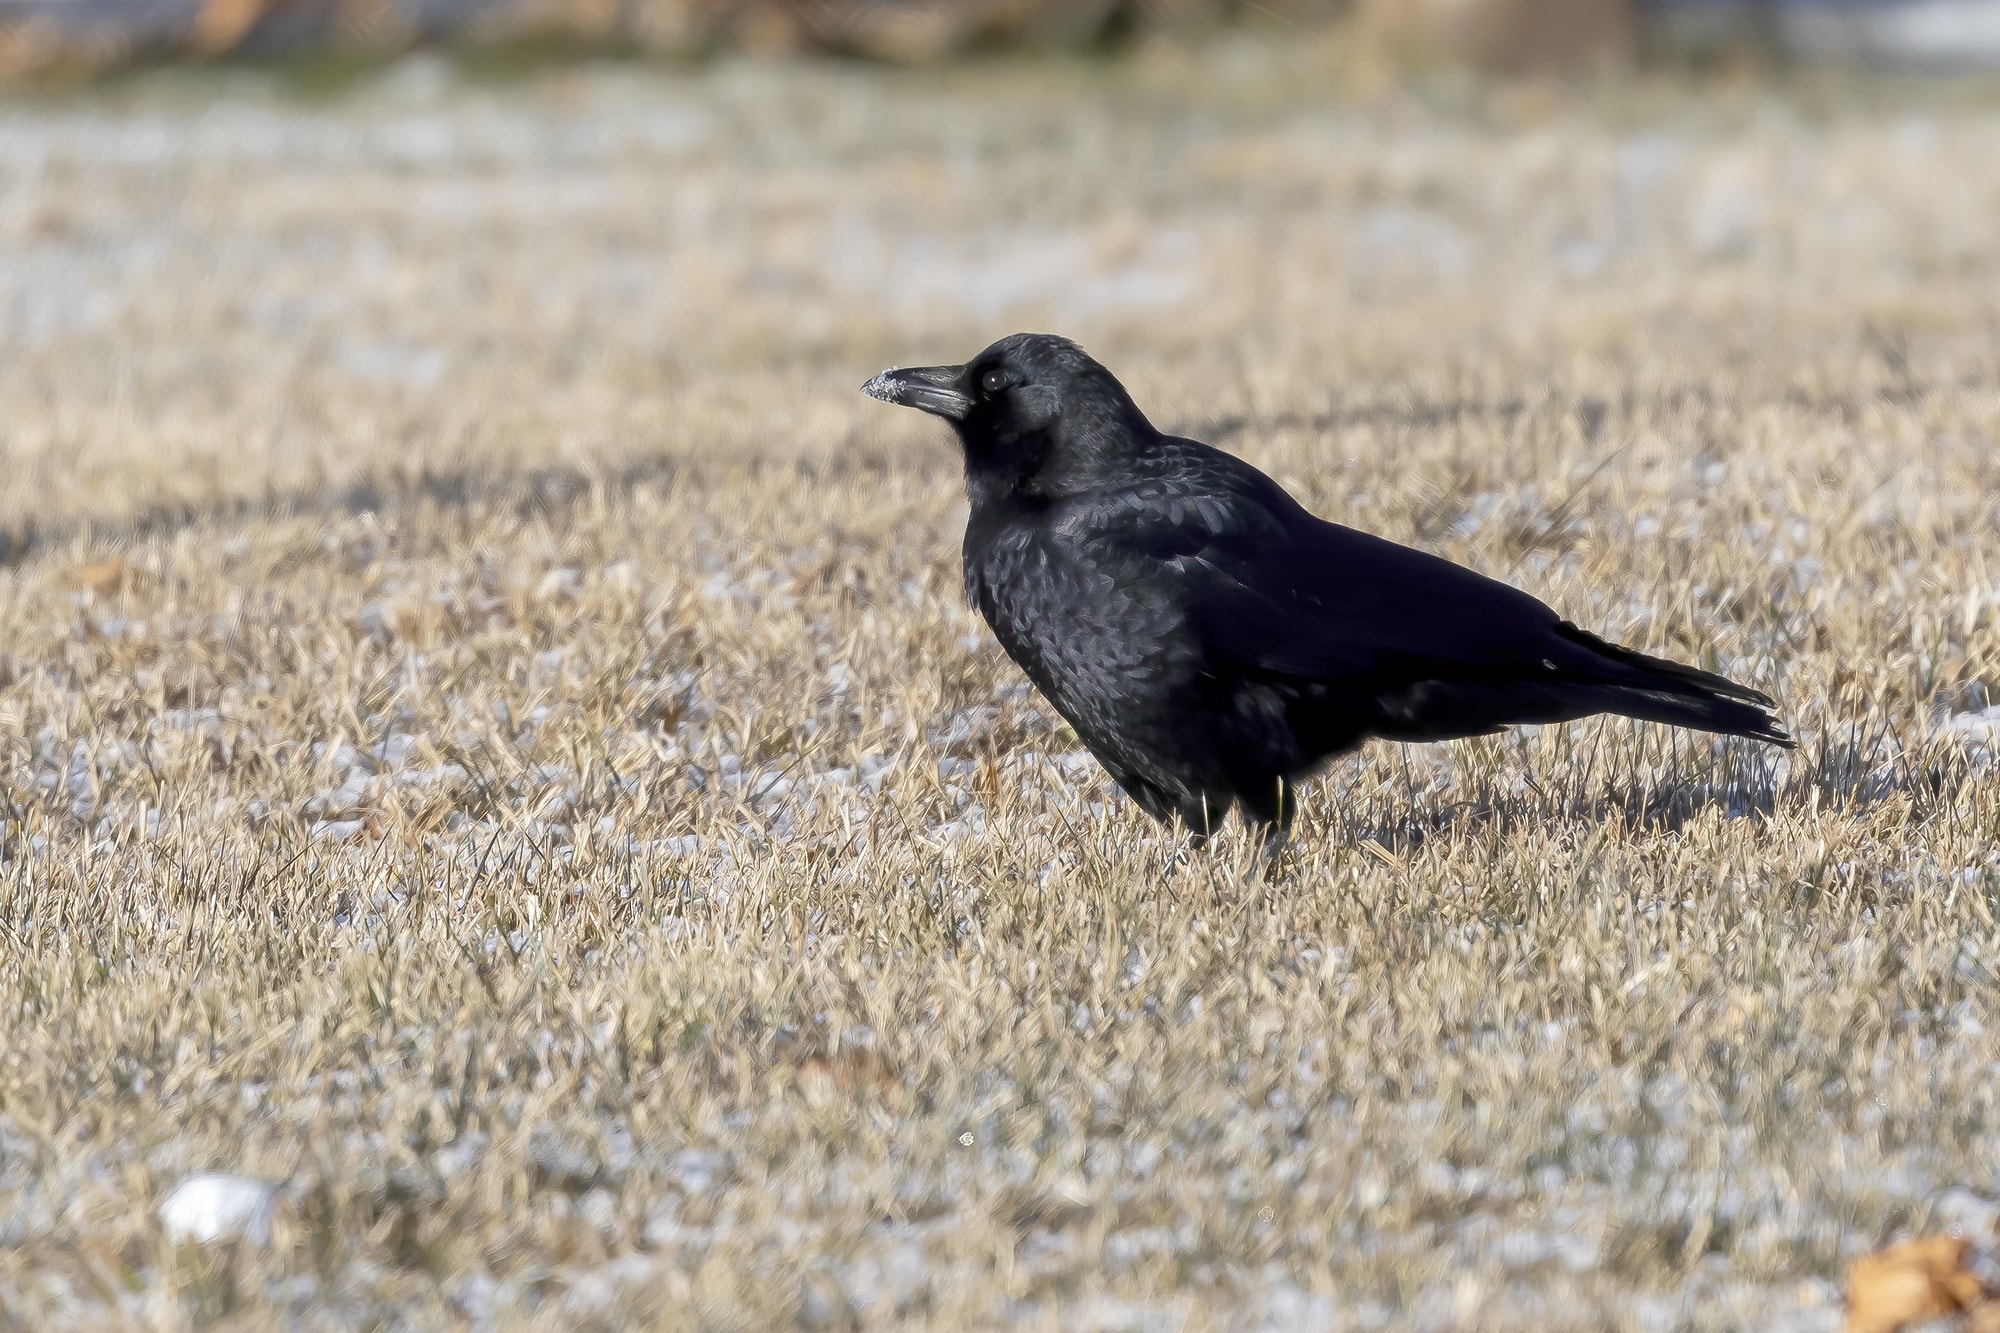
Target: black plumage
<point>1210,640</point>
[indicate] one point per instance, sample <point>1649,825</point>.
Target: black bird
<point>1210,640</point>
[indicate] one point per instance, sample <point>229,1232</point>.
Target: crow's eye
<point>993,381</point>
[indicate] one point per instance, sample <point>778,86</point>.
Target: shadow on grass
<point>546,490</point>
<point>1843,767</point>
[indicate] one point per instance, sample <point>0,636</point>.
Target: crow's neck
<point>1036,469</point>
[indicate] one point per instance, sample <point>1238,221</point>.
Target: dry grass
<point>489,736</point>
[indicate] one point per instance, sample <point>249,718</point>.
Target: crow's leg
<point>1271,812</point>
<point>1272,846</point>
<point>1199,817</point>
<point>1202,816</point>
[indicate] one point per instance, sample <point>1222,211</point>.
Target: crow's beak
<point>932,389</point>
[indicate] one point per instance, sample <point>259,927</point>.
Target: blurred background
<point>493,749</point>
<point>69,37</point>
<point>298,239</point>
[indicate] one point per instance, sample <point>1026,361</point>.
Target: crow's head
<point>1033,410</point>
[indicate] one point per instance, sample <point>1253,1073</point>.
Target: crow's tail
<point>1653,689</point>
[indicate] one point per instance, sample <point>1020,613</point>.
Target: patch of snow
<point>216,1206</point>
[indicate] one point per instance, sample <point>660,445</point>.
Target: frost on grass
<point>490,734</point>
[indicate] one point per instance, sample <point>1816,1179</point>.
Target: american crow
<point>1210,640</point>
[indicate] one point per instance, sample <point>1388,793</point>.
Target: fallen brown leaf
<point>1914,1280</point>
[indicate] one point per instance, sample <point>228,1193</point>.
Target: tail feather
<point>1653,689</point>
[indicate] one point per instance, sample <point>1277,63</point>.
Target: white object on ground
<point>216,1206</point>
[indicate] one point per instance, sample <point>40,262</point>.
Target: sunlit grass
<point>491,738</point>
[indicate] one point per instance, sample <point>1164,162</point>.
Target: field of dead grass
<point>491,743</point>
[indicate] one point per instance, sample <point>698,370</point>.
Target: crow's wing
<point>1336,602</point>
<point>1270,589</point>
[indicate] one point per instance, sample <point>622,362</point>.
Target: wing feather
<point>1272,589</point>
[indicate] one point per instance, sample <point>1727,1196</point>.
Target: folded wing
<point>1274,592</point>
